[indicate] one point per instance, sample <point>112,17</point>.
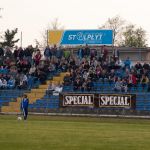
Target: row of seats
<point>106,87</point>
<point>12,94</point>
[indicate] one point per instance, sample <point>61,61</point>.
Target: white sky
<point>32,16</point>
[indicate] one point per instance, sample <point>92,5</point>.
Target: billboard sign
<point>98,100</point>
<point>80,37</point>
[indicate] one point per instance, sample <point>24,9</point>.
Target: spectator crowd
<point>91,65</point>
<point>21,68</point>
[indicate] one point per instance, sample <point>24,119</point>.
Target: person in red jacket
<point>132,81</point>
<point>37,57</point>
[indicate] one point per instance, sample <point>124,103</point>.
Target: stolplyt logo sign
<point>99,37</point>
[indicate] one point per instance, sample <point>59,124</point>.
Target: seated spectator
<point>124,86</point>
<point>146,66</point>
<point>41,76</point>
<point>111,76</point>
<point>67,80</point>
<point>144,81</point>
<point>0,83</point>
<point>77,84</point>
<point>118,85</point>
<point>32,70</point>
<point>3,70</point>
<point>85,75</point>
<point>132,81</point>
<point>58,88</point>
<point>23,82</point>
<point>31,80</point>
<point>11,83</point>
<point>98,71</point>
<point>50,89</point>
<point>83,86</point>
<point>89,85</point>
<point>138,66</point>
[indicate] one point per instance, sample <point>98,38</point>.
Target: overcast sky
<point>33,16</point>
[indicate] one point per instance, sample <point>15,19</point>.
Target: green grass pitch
<point>73,133</point>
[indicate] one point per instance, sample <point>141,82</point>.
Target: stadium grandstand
<point>82,70</point>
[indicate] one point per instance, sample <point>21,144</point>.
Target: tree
<point>117,25</point>
<point>134,37</point>
<point>55,25</point>
<point>9,38</point>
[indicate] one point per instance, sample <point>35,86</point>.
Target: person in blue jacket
<point>24,106</point>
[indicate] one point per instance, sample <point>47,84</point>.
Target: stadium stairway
<point>33,95</point>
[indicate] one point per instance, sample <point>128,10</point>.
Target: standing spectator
<point>86,51</point>
<point>127,63</point>
<point>47,53</point>
<point>28,53</point>
<point>1,51</point>
<point>20,53</point>
<point>8,52</point>
<point>59,52</point>
<point>104,53</point>
<point>80,52</point>
<point>16,53</point>
<point>93,53</point>
<point>67,54</point>
<point>115,54</point>
<point>37,57</point>
<point>54,50</point>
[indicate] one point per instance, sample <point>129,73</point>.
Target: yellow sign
<point>54,37</point>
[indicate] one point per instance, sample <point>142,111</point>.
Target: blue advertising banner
<point>95,37</point>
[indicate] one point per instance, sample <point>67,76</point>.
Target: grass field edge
<point>80,115</point>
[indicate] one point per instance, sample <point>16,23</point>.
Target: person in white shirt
<point>4,83</point>
<point>58,89</point>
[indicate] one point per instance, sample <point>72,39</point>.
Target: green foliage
<point>125,35</point>
<point>9,38</point>
<point>134,37</point>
